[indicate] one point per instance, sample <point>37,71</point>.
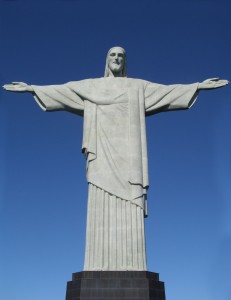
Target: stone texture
<point>115,234</point>
<point>116,285</point>
<point>114,143</point>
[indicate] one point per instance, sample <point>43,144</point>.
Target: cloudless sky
<point>43,190</point>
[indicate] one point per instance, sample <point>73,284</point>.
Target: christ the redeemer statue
<point>114,143</point>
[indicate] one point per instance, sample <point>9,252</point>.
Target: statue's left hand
<point>212,83</point>
<point>20,87</point>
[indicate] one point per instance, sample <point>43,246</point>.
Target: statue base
<point>116,285</point>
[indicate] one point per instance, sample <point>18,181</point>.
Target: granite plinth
<point>116,285</point>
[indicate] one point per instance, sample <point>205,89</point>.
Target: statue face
<point>116,59</point>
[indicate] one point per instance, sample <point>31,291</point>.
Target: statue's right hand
<point>20,87</point>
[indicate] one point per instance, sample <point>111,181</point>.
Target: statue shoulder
<point>138,83</point>
<point>82,82</point>
<point>103,82</point>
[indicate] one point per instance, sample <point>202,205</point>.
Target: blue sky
<point>43,190</point>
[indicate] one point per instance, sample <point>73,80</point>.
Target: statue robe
<point>114,142</point>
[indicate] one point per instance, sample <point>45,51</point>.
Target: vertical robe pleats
<point>115,237</point>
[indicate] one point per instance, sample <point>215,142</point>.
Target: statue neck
<point>114,74</point>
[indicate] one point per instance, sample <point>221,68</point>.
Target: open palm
<point>20,87</point>
<point>212,83</point>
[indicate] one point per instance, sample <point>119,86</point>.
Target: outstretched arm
<point>51,97</point>
<point>160,98</point>
<point>212,83</point>
<point>18,87</point>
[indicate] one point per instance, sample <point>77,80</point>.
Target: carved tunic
<point>114,142</point>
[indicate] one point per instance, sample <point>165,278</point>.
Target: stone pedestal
<point>115,285</point>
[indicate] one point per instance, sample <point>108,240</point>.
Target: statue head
<point>116,63</point>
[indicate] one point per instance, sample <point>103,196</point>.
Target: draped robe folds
<point>114,138</point>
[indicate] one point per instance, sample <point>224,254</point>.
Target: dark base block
<point>116,285</point>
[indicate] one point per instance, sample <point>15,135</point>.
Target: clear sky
<point>43,190</point>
